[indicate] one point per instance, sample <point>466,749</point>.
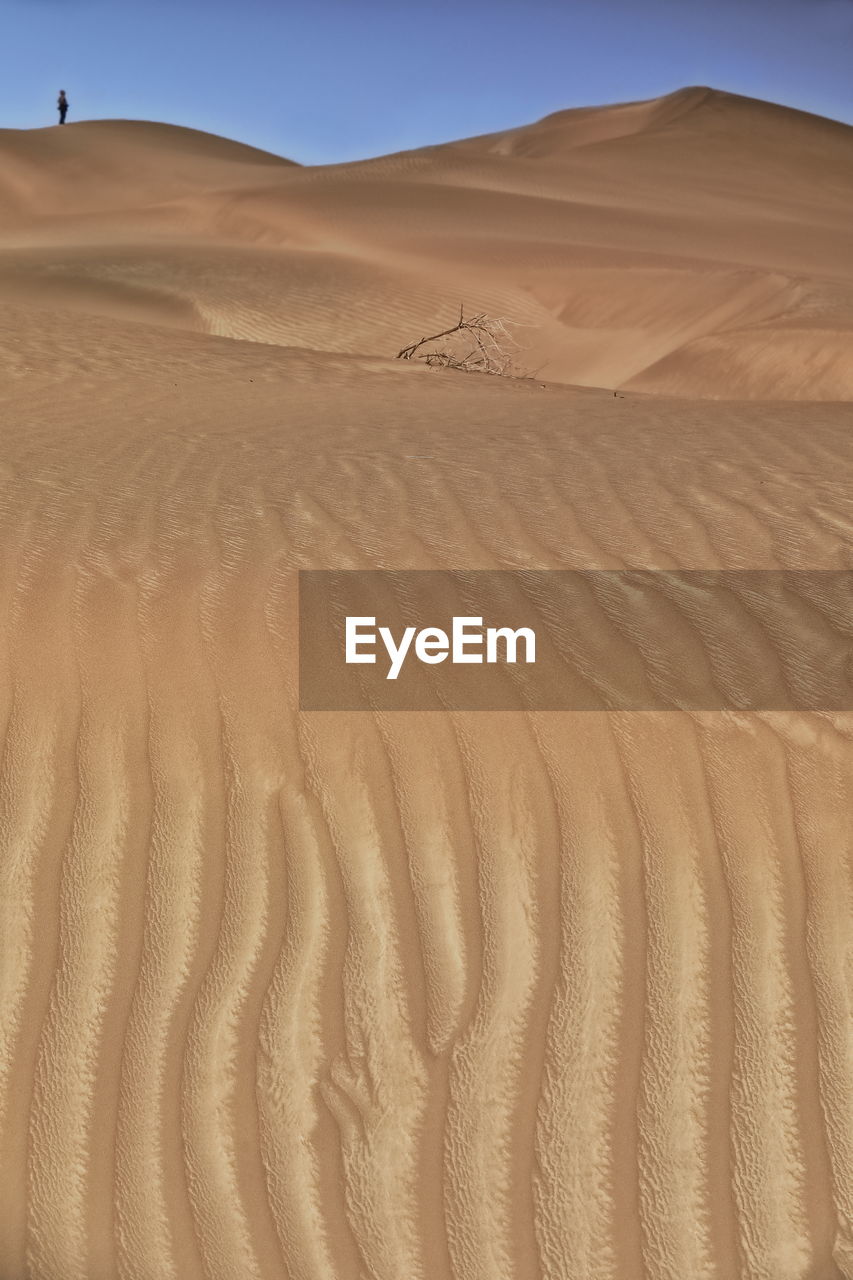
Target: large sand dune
<point>415,997</point>
<point>698,244</point>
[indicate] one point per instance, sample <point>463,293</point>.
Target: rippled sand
<point>451,996</point>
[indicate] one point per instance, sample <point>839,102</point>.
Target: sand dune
<point>457,996</point>
<point>101,166</point>
<point>697,244</point>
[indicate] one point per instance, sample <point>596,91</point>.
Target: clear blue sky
<point>325,80</point>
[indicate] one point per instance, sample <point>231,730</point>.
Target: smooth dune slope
<point>696,244</point>
<point>100,166</point>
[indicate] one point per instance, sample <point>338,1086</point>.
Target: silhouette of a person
<point>62,104</point>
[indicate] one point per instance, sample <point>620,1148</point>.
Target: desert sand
<point>438,996</point>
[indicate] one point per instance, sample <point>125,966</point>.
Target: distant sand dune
<point>729,211</point>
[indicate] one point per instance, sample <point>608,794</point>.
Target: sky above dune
<point>334,81</point>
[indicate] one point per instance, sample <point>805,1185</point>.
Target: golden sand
<point>449,996</point>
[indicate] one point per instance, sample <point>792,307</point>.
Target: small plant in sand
<point>477,344</point>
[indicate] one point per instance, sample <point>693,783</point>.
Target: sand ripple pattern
<point>443,997</point>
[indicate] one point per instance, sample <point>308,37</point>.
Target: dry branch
<point>493,349</point>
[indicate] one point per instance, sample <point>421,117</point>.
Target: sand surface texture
<point>449,996</point>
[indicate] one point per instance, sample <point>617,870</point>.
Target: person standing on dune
<point>62,104</point>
